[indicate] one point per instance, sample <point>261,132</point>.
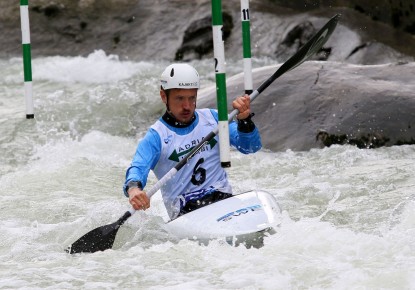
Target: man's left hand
<point>243,105</point>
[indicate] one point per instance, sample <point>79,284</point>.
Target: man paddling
<point>202,181</point>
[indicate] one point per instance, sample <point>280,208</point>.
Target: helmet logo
<point>188,84</point>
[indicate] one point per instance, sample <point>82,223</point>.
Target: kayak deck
<point>243,218</point>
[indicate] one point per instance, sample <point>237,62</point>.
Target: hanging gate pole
<point>220,75</point>
<point>246,42</point>
<point>27,58</point>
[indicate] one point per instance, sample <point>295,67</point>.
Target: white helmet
<point>179,76</point>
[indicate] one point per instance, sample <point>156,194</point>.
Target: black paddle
<point>102,238</point>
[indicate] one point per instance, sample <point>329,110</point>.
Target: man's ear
<point>163,96</point>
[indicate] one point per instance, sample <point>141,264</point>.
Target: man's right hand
<point>138,199</point>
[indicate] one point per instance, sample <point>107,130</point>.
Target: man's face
<point>182,103</point>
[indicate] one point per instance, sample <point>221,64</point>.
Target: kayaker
<point>202,180</point>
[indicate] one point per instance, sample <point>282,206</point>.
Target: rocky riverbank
<point>359,92</point>
<point>162,29</point>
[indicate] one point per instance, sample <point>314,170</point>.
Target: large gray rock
<point>398,13</point>
<point>323,103</point>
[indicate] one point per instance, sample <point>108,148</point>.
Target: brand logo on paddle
<point>239,212</point>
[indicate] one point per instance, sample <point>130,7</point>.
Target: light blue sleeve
<point>145,158</point>
<point>245,143</point>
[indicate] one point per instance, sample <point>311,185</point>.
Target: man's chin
<point>185,119</point>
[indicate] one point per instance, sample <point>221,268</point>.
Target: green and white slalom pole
<point>246,41</point>
<point>27,58</point>
<point>220,75</point>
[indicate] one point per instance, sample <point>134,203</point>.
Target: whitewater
<point>348,214</point>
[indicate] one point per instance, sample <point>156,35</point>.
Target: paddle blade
<point>312,46</point>
<point>99,239</point>
<point>305,52</point>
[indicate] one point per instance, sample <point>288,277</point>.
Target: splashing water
<point>348,214</point>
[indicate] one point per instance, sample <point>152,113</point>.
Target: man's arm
<point>243,134</point>
<point>145,158</point>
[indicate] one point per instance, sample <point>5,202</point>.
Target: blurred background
<point>181,30</point>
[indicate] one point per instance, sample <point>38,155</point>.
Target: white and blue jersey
<point>165,145</point>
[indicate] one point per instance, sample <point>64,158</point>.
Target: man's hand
<point>243,105</point>
<point>138,199</point>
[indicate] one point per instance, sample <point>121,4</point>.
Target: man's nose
<point>187,104</point>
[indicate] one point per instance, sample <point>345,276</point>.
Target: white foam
<point>97,67</point>
<point>95,146</point>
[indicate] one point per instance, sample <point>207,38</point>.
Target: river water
<point>348,214</point>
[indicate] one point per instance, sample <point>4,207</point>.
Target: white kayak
<point>243,218</point>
